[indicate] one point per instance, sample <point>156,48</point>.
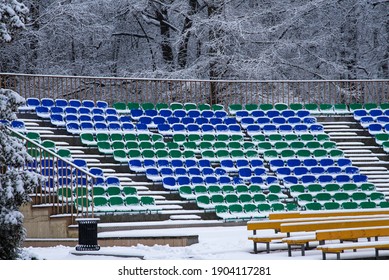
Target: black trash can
<point>87,234</point>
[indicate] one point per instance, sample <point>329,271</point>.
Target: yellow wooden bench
<point>341,247</point>
<point>311,214</point>
<point>276,226</point>
<point>350,234</point>
<point>350,222</point>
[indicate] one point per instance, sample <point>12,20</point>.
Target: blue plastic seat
<point>207,129</point>
<point>241,114</point>
<point>75,103</point>
<point>42,112</point>
<point>276,163</point>
<point>47,102</point>
<point>273,113</point>
<point>293,162</point>
<point>73,127</point>
<point>60,102</point>
<point>194,113</point>
<point>300,171</point>
<point>166,113</point>
<point>301,128</point>
<point>285,129</point>
<point>32,102</point>
<point>150,113</point>
<point>221,114</point>
<point>359,178</point>
<point>342,179</point>
<point>111,111</point>
<point>325,162</point>
<point>101,104</point>
<point>101,127</point>
<point>88,103</point>
<point>262,121</point>
<point>269,129</point>
<point>70,111</point>
<point>325,179</point>
<point>288,113</point>
<point>114,126</point>
<point>207,114</point>
<point>375,128</point>
<point>57,120</point>
<point>242,163</point>
<point>246,121</point>
<point>303,113</point>
<point>309,162</point>
<point>308,179</point>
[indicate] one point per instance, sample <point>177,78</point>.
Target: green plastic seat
<point>341,197</point>
<point>248,145</point>
<point>217,145</point>
<point>130,137</point>
<point>217,107</point>
<point>341,109</point>
<point>190,106</point>
<point>143,137</point>
<point>64,193</point>
<point>147,106</point>
<point>355,106</point>
<point>270,154</point>
<point>384,106</point>
<point>176,106</point>
<point>359,196</point>
<point>134,153</point>
<point>251,154</point>
<point>349,187</point>
<point>144,145</point>
<point>172,146</point>
<point>323,197</point>
<point>278,207</point>
<point>100,201</point>
<point>117,145</point>
<point>322,137</point>
<point>186,192</point>
<point>319,153</point>
<point>291,206</point>
<point>303,154</point>
<point>228,189</point>
<point>116,137</point>
<point>208,138</point>
<point>264,207</point>
<point>307,138</point>
<point>331,205</point>
<point>161,154</point>
<point>237,154</point>
<point>251,107</point>
<point>367,204</point>
<point>104,147</point>
<point>217,199</point>
<point>314,188</point>
<point>233,108</point>
<point>49,144</point>
<point>296,106</point>
<point>245,198</point>
<point>188,154</point>
<point>159,145</point>
<point>304,198</point>
<point>180,139</point>
<point>127,190</point>
<point>349,205</point>
<point>258,138</point>
<point>120,107</point>
<point>64,153</point>
<point>272,197</point>
<point>384,204</point>
<point>332,188</point>
<point>204,202</point>
<point>36,137</point>
<point>290,138</point>
<point>194,138</point>
<point>132,145</point>
<point>312,108</point>
<point>296,145</point>
<point>222,154</point>
<point>214,189</point>
<point>87,139</point>
<point>156,137</point>
<point>148,154</point>
<point>326,108</point>
<point>377,196</point>
<point>288,154</point>
<point>160,106</point>
<point>120,155</point>
<point>370,106</point>
<point>103,137</point>
<point>265,106</point>
<point>367,187</point>
<point>329,145</point>
<point>295,190</point>
<point>240,189</point>
<point>313,145</point>
<point>262,147</point>
<point>223,138</point>
<point>234,145</point>
<point>313,206</point>
<point>336,153</point>
<point>133,105</point>
<point>206,145</point>
<point>255,189</point>
<point>280,106</point>
<point>204,106</point>
<point>259,198</point>
<point>208,154</point>
<point>190,146</point>
<point>273,138</point>
<point>279,146</point>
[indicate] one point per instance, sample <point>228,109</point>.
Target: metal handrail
<point>62,206</point>
<point>191,80</point>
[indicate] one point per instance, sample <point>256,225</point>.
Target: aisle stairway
<point>360,147</point>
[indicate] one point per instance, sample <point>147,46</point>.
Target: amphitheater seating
<point>208,153</point>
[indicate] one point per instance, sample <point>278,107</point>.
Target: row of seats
<point>332,188</point>
<point>268,129</point>
<point>323,197</point>
<point>33,102</point>
<point>324,179</point>
<point>126,107</point>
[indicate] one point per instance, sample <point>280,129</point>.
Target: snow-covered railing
<point>66,187</point>
<point>226,92</point>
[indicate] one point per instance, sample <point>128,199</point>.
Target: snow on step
<point>184,217</point>
<point>342,134</point>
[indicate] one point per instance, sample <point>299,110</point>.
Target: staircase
<point>174,207</point>
<point>360,147</point>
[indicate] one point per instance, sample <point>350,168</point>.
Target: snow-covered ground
<point>215,243</point>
